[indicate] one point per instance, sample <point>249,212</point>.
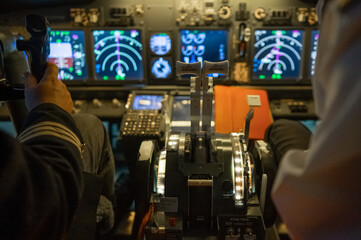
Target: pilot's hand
<point>49,90</point>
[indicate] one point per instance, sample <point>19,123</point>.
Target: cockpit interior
<point>186,90</point>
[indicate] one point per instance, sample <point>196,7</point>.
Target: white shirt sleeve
<point>318,192</point>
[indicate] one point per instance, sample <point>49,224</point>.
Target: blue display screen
<point>147,102</point>
<point>314,44</point>
<point>181,114</point>
<point>118,54</point>
<point>199,45</point>
<point>277,54</point>
<point>161,67</point>
<point>181,110</point>
<point>67,51</point>
<point>160,44</point>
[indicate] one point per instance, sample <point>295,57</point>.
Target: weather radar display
<point>67,51</point>
<point>118,54</point>
<point>277,54</point>
<point>160,44</point>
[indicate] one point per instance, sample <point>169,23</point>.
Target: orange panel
<point>231,108</point>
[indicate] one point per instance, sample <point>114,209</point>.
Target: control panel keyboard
<point>142,124</point>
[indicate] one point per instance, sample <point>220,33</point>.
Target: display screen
<point>181,114</point>
<point>118,54</point>
<point>67,51</point>
<point>160,44</point>
<point>181,110</point>
<point>314,44</point>
<point>277,54</point>
<point>161,68</point>
<point>147,102</point>
<point>199,45</point>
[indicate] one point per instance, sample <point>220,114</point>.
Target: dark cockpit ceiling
<point>19,5</point>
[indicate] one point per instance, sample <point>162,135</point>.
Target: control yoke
<point>38,46</point>
<point>201,87</point>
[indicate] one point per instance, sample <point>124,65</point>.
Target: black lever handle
<point>2,66</point>
<point>38,46</point>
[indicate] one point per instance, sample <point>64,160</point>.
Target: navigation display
<point>277,54</point>
<point>67,51</point>
<point>118,54</point>
<point>314,44</point>
<point>147,102</point>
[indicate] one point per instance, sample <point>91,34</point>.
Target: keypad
<point>141,124</point>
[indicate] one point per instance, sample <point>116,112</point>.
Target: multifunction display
<point>147,102</point>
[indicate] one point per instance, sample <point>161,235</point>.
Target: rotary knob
<point>224,12</point>
<point>116,103</point>
<point>78,103</point>
<point>97,103</point>
<point>260,13</point>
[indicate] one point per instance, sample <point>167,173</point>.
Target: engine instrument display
<point>314,44</point>
<point>277,54</point>
<point>199,45</point>
<point>67,51</point>
<point>160,44</point>
<point>118,54</point>
<point>147,102</point>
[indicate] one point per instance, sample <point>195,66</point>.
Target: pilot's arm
<point>318,192</point>
<point>40,174</point>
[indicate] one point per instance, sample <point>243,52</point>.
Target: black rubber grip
<point>38,46</point>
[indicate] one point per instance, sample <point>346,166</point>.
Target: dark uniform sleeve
<point>40,176</point>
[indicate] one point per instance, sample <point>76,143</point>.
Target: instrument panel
<point>132,42</point>
<point>105,49</point>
